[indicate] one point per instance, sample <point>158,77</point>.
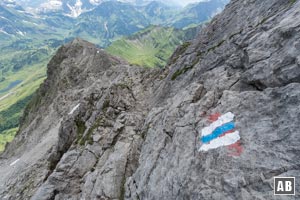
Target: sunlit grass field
<point>7,136</point>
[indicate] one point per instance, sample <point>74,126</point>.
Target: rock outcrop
<point>100,129</point>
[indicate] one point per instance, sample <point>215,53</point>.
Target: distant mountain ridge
<point>198,12</point>
<point>110,20</point>
<point>104,22</point>
<point>74,8</point>
<point>15,22</point>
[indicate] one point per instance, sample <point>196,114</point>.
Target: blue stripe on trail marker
<point>218,131</point>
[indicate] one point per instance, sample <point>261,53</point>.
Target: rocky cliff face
<point>101,129</point>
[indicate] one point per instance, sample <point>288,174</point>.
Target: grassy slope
<point>33,61</point>
<point>7,136</point>
<point>150,48</point>
<point>31,78</point>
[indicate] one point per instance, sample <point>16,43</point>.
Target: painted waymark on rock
<point>74,109</point>
<point>221,132</point>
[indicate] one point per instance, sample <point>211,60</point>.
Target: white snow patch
<point>51,5</point>
<point>4,18</point>
<point>74,109</point>
<point>25,21</point>
<point>2,31</point>
<point>105,26</point>
<point>21,33</point>
<point>15,162</point>
<point>76,10</point>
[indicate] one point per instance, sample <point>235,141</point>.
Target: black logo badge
<point>284,185</point>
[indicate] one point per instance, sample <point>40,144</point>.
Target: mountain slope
<point>28,41</point>
<point>151,47</point>
<point>98,128</point>
<point>198,12</point>
<point>11,24</point>
<point>110,20</point>
<point>72,8</point>
<point>159,13</point>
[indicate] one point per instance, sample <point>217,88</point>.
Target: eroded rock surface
<point>101,129</point>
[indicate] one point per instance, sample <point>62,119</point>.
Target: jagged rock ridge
<point>101,129</point>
